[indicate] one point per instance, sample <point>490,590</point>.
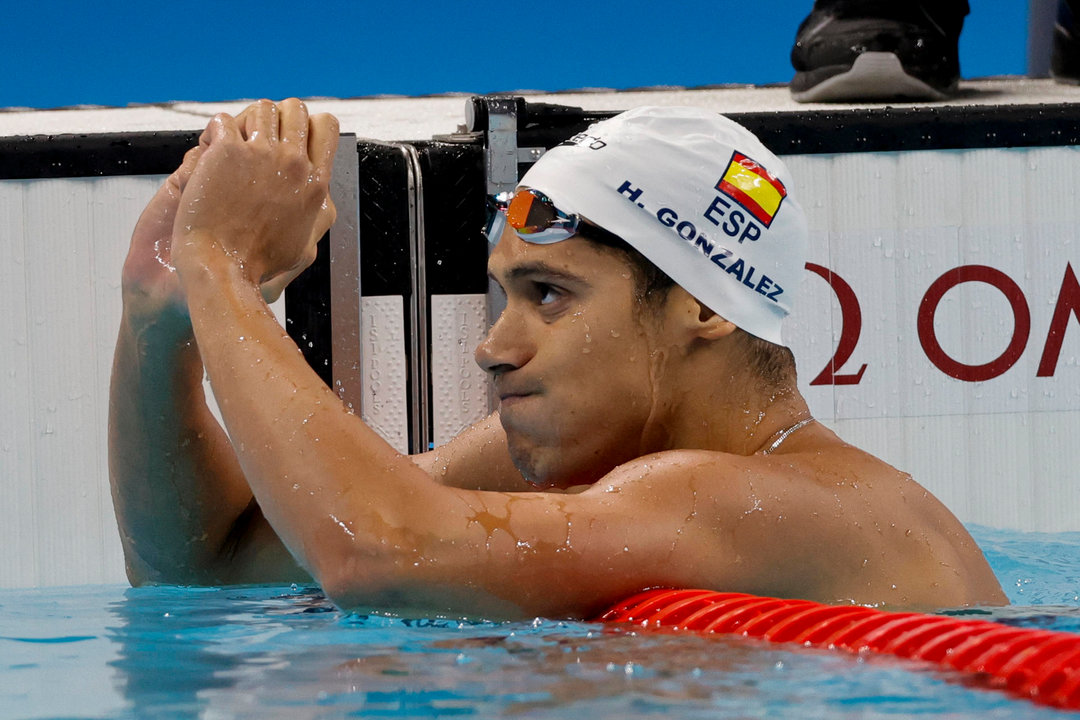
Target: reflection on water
<point>259,652</point>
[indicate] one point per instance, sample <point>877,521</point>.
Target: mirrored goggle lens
<point>532,215</point>
<point>535,217</point>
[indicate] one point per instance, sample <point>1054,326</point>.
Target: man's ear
<point>698,321</point>
<point>712,326</point>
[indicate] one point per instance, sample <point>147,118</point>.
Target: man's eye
<point>548,293</point>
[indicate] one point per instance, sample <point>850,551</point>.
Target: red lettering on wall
<point>850,329</point>
<point>1068,302</point>
<point>1021,323</point>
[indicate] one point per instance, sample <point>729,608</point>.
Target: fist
<point>259,193</point>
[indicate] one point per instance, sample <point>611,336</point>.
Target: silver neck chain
<point>783,435</point>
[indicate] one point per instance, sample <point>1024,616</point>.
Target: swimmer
<point>650,432</point>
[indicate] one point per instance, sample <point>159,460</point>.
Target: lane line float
<point>1040,665</point>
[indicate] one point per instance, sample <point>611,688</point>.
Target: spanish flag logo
<point>753,187</point>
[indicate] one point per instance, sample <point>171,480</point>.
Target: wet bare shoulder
<point>826,521</point>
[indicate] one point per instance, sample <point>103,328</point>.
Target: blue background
<point>117,53</point>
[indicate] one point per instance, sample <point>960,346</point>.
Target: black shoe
<point>878,50</point>
<point>1065,55</point>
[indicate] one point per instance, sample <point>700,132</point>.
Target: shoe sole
<point>873,76</point>
<point>1065,57</point>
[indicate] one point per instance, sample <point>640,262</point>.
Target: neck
<point>731,412</point>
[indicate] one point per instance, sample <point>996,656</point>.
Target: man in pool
<point>650,432</point>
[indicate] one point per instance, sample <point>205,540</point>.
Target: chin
<point>546,460</point>
<point>547,468</point>
<point>538,466</point>
<point>531,470</point>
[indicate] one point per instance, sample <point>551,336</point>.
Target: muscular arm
<point>177,487</point>
<point>184,509</point>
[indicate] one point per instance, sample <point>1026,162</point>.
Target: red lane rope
<point>1040,665</point>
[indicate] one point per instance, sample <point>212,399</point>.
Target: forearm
<point>327,483</point>
<point>177,488</point>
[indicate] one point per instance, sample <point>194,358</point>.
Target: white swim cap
<point>699,196</point>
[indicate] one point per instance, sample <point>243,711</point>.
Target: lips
<point>509,396</point>
<point>509,403</point>
<point>511,399</point>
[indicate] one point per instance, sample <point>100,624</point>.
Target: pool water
<point>267,652</point>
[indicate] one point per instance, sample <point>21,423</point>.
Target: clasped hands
<point>256,192</point>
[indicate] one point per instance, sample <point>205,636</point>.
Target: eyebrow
<point>537,267</point>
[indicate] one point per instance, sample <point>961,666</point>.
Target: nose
<point>508,345</point>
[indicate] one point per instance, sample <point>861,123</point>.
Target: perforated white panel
<point>384,400</point>
<point>460,389</point>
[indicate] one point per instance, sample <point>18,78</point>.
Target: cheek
<point>609,389</point>
<point>620,355</point>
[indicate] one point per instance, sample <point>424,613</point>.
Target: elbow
<point>362,575</point>
<point>353,583</point>
<point>139,570</point>
<point>136,577</point>
<point>141,573</point>
<point>154,566</point>
<point>345,592</point>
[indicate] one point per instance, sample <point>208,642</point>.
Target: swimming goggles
<point>533,216</point>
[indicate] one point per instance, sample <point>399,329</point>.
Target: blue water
<point>268,652</point>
